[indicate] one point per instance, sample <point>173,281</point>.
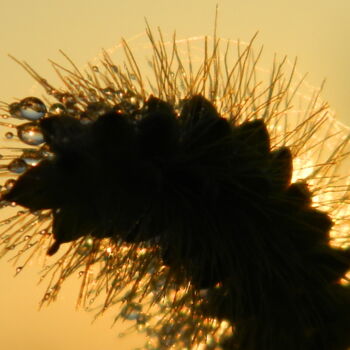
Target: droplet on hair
<point>9,135</point>
<point>30,133</point>
<point>17,166</point>
<point>32,157</point>
<point>31,108</point>
<point>57,109</point>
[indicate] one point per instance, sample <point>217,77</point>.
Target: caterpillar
<point>183,193</point>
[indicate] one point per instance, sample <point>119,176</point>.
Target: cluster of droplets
<point>32,110</point>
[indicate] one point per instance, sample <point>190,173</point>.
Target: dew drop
<point>30,134</point>
<point>141,327</point>
<point>9,184</point>
<point>120,93</point>
<point>133,100</point>
<point>52,92</point>
<point>14,110</point>
<point>115,69</point>
<point>142,319</point>
<point>32,108</point>
<point>86,246</point>
<point>27,237</point>
<point>95,69</point>
<point>109,92</point>
<point>57,109</point>
<point>67,99</point>
<point>19,269</point>
<point>17,166</point>
<point>9,135</point>
<point>131,311</point>
<point>46,152</point>
<point>32,157</point>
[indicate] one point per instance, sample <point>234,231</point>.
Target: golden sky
<point>316,31</point>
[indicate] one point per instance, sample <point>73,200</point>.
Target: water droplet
<point>120,93</point>
<point>32,108</point>
<point>30,134</point>
<point>17,166</point>
<point>14,110</point>
<point>9,184</point>
<point>26,237</point>
<point>95,69</point>
<point>9,135</point>
<point>86,246</point>
<point>32,157</point>
<point>142,319</point>
<point>45,151</point>
<point>67,99</point>
<point>141,327</point>
<point>131,311</point>
<point>52,92</point>
<point>19,269</point>
<point>115,69</point>
<point>133,100</point>
<point>81,273</point>
<point>57,109</point>
<point>109,92</point>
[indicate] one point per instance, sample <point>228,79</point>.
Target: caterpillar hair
<point>208,204</point>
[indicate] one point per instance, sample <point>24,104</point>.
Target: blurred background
<point>316,31</point>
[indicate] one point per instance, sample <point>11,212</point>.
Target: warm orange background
<point>317,31</point>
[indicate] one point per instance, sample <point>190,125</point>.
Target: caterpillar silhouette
<point>215,198</point>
